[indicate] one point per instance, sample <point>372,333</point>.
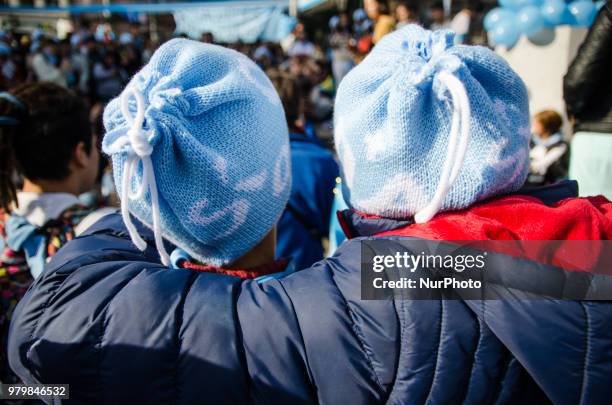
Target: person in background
<point>8,69</point>
<point>549,154</point>
<point>81,32</point>
<point>46,139</point>
<point>148,49</point>
<point>288,41</point>
<point>587,90</point>
<point>46,64</point>
<point>340,41</point>
<point>361,23</point>
<point>302,63</point>
<point>262,55</point>
<point>462,22</point>
<point>104,33</point>
<point>81,61</point>
<point>129,55</point>
<point>438,20</point>
<point>138,35</point>
<point>108,76</point>
<point>320,106</point>
<point>405,14</point>
<point>301,46</point>
<point>362,34</point>
<point>305,222</point>
<point>207,38</point>
<point>65,62</point>
<point>383,23</point>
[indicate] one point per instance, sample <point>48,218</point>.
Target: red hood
<point>525,218</point>
<point>520,218</point>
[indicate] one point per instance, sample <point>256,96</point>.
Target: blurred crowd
<point>96,61</point>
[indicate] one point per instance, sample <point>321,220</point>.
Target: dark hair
<point>383,7</point>
<point>472,5</point>
<point>42,127</point>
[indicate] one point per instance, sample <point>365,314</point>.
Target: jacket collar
<point>277,266</point>
<point>356,224</point>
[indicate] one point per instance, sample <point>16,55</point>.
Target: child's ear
<point>80,156</point>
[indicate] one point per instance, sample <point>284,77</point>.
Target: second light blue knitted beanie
<point>200,151</point>
<point>423,126</point>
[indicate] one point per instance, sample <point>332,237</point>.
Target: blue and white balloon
<point>510,4</point>
<point>553,12</point>
<point>529,20</point>
<point>525,3</point>
<point>536,19</point>
<point>583,12</point>
<point>505,33</point>
<point>495,16</point>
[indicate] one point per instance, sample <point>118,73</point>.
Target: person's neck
<point>68,185</point>
<point>261,254</point>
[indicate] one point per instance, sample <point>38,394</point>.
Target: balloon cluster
<point>505,24</point>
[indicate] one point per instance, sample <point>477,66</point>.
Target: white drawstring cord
<point>455,155</point>
<point>141,151</point>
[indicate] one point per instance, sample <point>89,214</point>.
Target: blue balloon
<point>553,12</point>
<point>496,15</point>
<point>599,4</point>
<point>583,12</point>
<point>525,3</point>
<point>510,4</point>
<point>529,20</point>
<point>505,33</point>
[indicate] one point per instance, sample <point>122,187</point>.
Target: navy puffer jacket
<point>120,328</point>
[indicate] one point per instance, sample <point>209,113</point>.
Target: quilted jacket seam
<point>103,328</point>
<point>301,334</point>
<point>43,309</point>
<point>471,371</point>
<point>242,356</point>
<point>587,349</point>
<point>440,331</point>
<point>179,313</point>
<point>359,336</point>
<point>99,347</point>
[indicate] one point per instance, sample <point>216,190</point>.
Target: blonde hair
<point>550,120</point>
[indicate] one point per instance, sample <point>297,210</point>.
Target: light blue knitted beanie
<point>423,126</point>
<point>200,151</point>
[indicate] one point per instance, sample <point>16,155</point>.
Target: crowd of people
<point>202,180</point>
<point>95,62</point>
